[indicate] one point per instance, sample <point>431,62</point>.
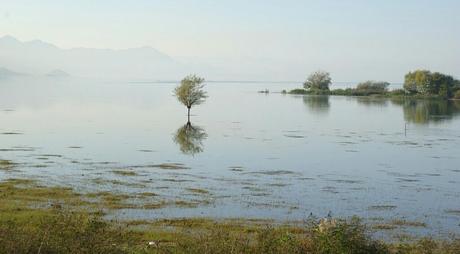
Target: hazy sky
<point>353,39</point>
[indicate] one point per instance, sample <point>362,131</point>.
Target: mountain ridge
<point>38,57</point>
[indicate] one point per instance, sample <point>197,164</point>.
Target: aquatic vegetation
<point>273,172</point>
<point>382,207</point>
<point>75,147</point>
<point>198,191</point>
<point>126,172</point>
<point>236,168</point>
<point>171,166</point>
<point>7,165</point>
<point>70,225</point>
<point>406,223</point>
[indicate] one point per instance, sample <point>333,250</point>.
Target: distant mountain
<point>58,73</point>
<point>38,57</point>
<point>6,73</point>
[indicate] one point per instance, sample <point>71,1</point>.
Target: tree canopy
<point>319,80</point>
<point>376,87</point>
<point>429,83</point>
<point>190,91</point>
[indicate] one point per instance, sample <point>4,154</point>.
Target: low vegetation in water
<point>418,84</point>
<point>37,219</point>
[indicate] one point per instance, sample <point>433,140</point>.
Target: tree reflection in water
<point>190,139</point>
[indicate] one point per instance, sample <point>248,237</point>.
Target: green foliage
<point>298,91</point>
<point>398,92</point>
<point>63,232</point>
<point>428,83</point>
<point>319,80</point>
<point>332,236</point>
<point>372,87</point>
<point>457,95</point>
<point>190,91</point>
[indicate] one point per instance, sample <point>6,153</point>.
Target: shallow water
<point>252,155</point>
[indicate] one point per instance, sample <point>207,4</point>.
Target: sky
<point>354,40</point>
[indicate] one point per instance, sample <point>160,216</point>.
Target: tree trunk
<point>188,115</point>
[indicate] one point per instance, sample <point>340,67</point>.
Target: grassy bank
<point>39,219</point>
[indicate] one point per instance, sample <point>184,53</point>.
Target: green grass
<point>39,219</point>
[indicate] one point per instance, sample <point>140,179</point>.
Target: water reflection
<point>369,101</point>
<point>428,111</point>
<point>190,139</point>
<point>317,103</point>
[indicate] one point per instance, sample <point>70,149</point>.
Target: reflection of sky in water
<point>276,156</point>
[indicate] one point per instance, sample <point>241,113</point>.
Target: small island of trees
<point>419,84</point>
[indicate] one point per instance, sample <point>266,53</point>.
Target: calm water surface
<point>257,155</point>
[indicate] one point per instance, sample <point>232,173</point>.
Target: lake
<point>246,155</point>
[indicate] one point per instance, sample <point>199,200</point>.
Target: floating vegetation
<point>17,149</point>
<point>127,172</point>
<point>146,151</point>
<point>11,133</point>
<point>383,226</point>
<point>382,207</point>
<point>75,147</point>
<point>198,191</point>
<point>273,172</point>
<point>169,166</point>
<point>148,194</point>
<point>453,211</point>
<point>330,189</point>
<point>50,155</point>
<point>351,151</point>
<point>236,168</point>
<point>175,180</point>
<point>278,184</point>
<point>408,180</point>
<point>7,164</point>
<point>406,223</point>
<point>294,136</point>
<point>347,181</point>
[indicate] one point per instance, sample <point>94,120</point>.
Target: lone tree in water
<point>190,92</point>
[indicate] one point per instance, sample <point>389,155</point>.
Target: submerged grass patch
<point>7,164</point>
<point>74,227</point>
<point>197,190</point>
<point>124,172</point>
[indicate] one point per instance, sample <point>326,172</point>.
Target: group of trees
<point>420,82</point>
<point>430,83</point>
<point>190,93</point>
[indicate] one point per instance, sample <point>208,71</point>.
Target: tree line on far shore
<point>419,83</point>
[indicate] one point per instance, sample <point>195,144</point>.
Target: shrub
<point>457,95</point>
<point>398,92</point>
<point>298,91</point>
<point>62,232</point>
<point>372,87</point>
<point>429,83</point>
<point>319,80</point>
